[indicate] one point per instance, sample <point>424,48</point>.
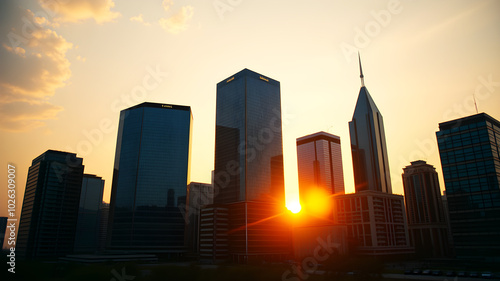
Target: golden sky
<point>68,67</point>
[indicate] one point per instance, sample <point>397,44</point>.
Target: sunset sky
<point>68,67</point>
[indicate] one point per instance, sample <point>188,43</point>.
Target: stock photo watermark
<point>225,6</point>
<point>364,36</point>
<point>427,147</point>
<point>11,221</point>
<point>250,149</point>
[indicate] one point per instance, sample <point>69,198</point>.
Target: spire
<point>361,72</point>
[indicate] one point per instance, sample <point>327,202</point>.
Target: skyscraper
<point>469,148</point>
<point>50,207</point>
<point>369,151</point>
<point>244,223</point>
<point>248,141</point>
<point>150,178</point>
<point>319,160</point>
<point>87,228</point>
<point>424,210</point>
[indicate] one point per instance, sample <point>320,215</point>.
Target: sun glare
<point>294,207</point>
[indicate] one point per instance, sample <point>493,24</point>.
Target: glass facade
<point>248,140</point>
<point>469,148</point>
<point>369,151</point>
<point>319,162</point>
<point>87,229</point>
<point>50,207</point>
<point>150,178</point>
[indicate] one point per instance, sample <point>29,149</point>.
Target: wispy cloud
<point>80,10</point>
<point>166,4</point>
<point>33,66</point>
<point>139,19</point>
<point>179,21</point>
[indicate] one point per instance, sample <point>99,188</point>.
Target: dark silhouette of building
<point>151,174</point>
<point>248,140</point>
<point>245,232</point>
<point>50,207</point>
<point>369,151</point>
<point>319,160</point>
<point>88,226</point>
<point>246,220</point>
<point>103,225</point>
<point>424,211</point>
<point>469,148</point>
<point>376,222</point>
<point>198,195</point>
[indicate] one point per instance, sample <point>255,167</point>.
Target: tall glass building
<point>151,174</point>
<point>87,228</point>
<point>469,148</point>
<point>319,161</point>
<point>248,140</point>
<point>50,207</point>
<point>369,151</point>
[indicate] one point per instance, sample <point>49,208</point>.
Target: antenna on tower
<point>474,97</point>
<point>361,72</point>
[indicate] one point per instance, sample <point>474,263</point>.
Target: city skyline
<point>96,81</point>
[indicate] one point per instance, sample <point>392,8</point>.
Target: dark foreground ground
<point>337,270</point>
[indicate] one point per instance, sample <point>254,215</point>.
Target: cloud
<point>34,65</point>
<point>80,58</point>
<point>80,10</point>
<point>166,4</point>
<point>22,116</point>
<point>140,20</point>
<point>177,22</point>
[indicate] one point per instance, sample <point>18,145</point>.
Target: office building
<point>369,151</point>
<point>88,225</point>
<point>151,174</point>
<point>103,225</point>
<point>319,161</point>
<point>245,232</point>
<point>424,211</point>
<point>245,222</point>
<point>50,207</point>
<point>376,222</point>
<point>469,148</point>
<point>248,140</point>
<point>198,195</point>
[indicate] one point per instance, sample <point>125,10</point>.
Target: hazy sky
<point>68,67</point>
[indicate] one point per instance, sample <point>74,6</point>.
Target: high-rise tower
<point>150,179</point>
<point>424,210</point>
<point>319,160</point>
<point>248,141</point>
<point>50,207</point>
<point>469,148</point>
<point>369,151</point>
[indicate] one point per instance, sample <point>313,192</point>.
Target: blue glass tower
<point>151,174</point>
<point>469,148</point>
<point>369,151</point>
<point>248,140</point>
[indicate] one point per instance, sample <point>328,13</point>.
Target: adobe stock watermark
<point>364,36</point>
<point>428,146</point>
<point>250,149</point>
<point>309,265</point>
<point>123,276</point>
<point>224,6</point>
<point>92,138</point>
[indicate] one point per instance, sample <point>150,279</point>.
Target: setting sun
<point>294,207</point>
